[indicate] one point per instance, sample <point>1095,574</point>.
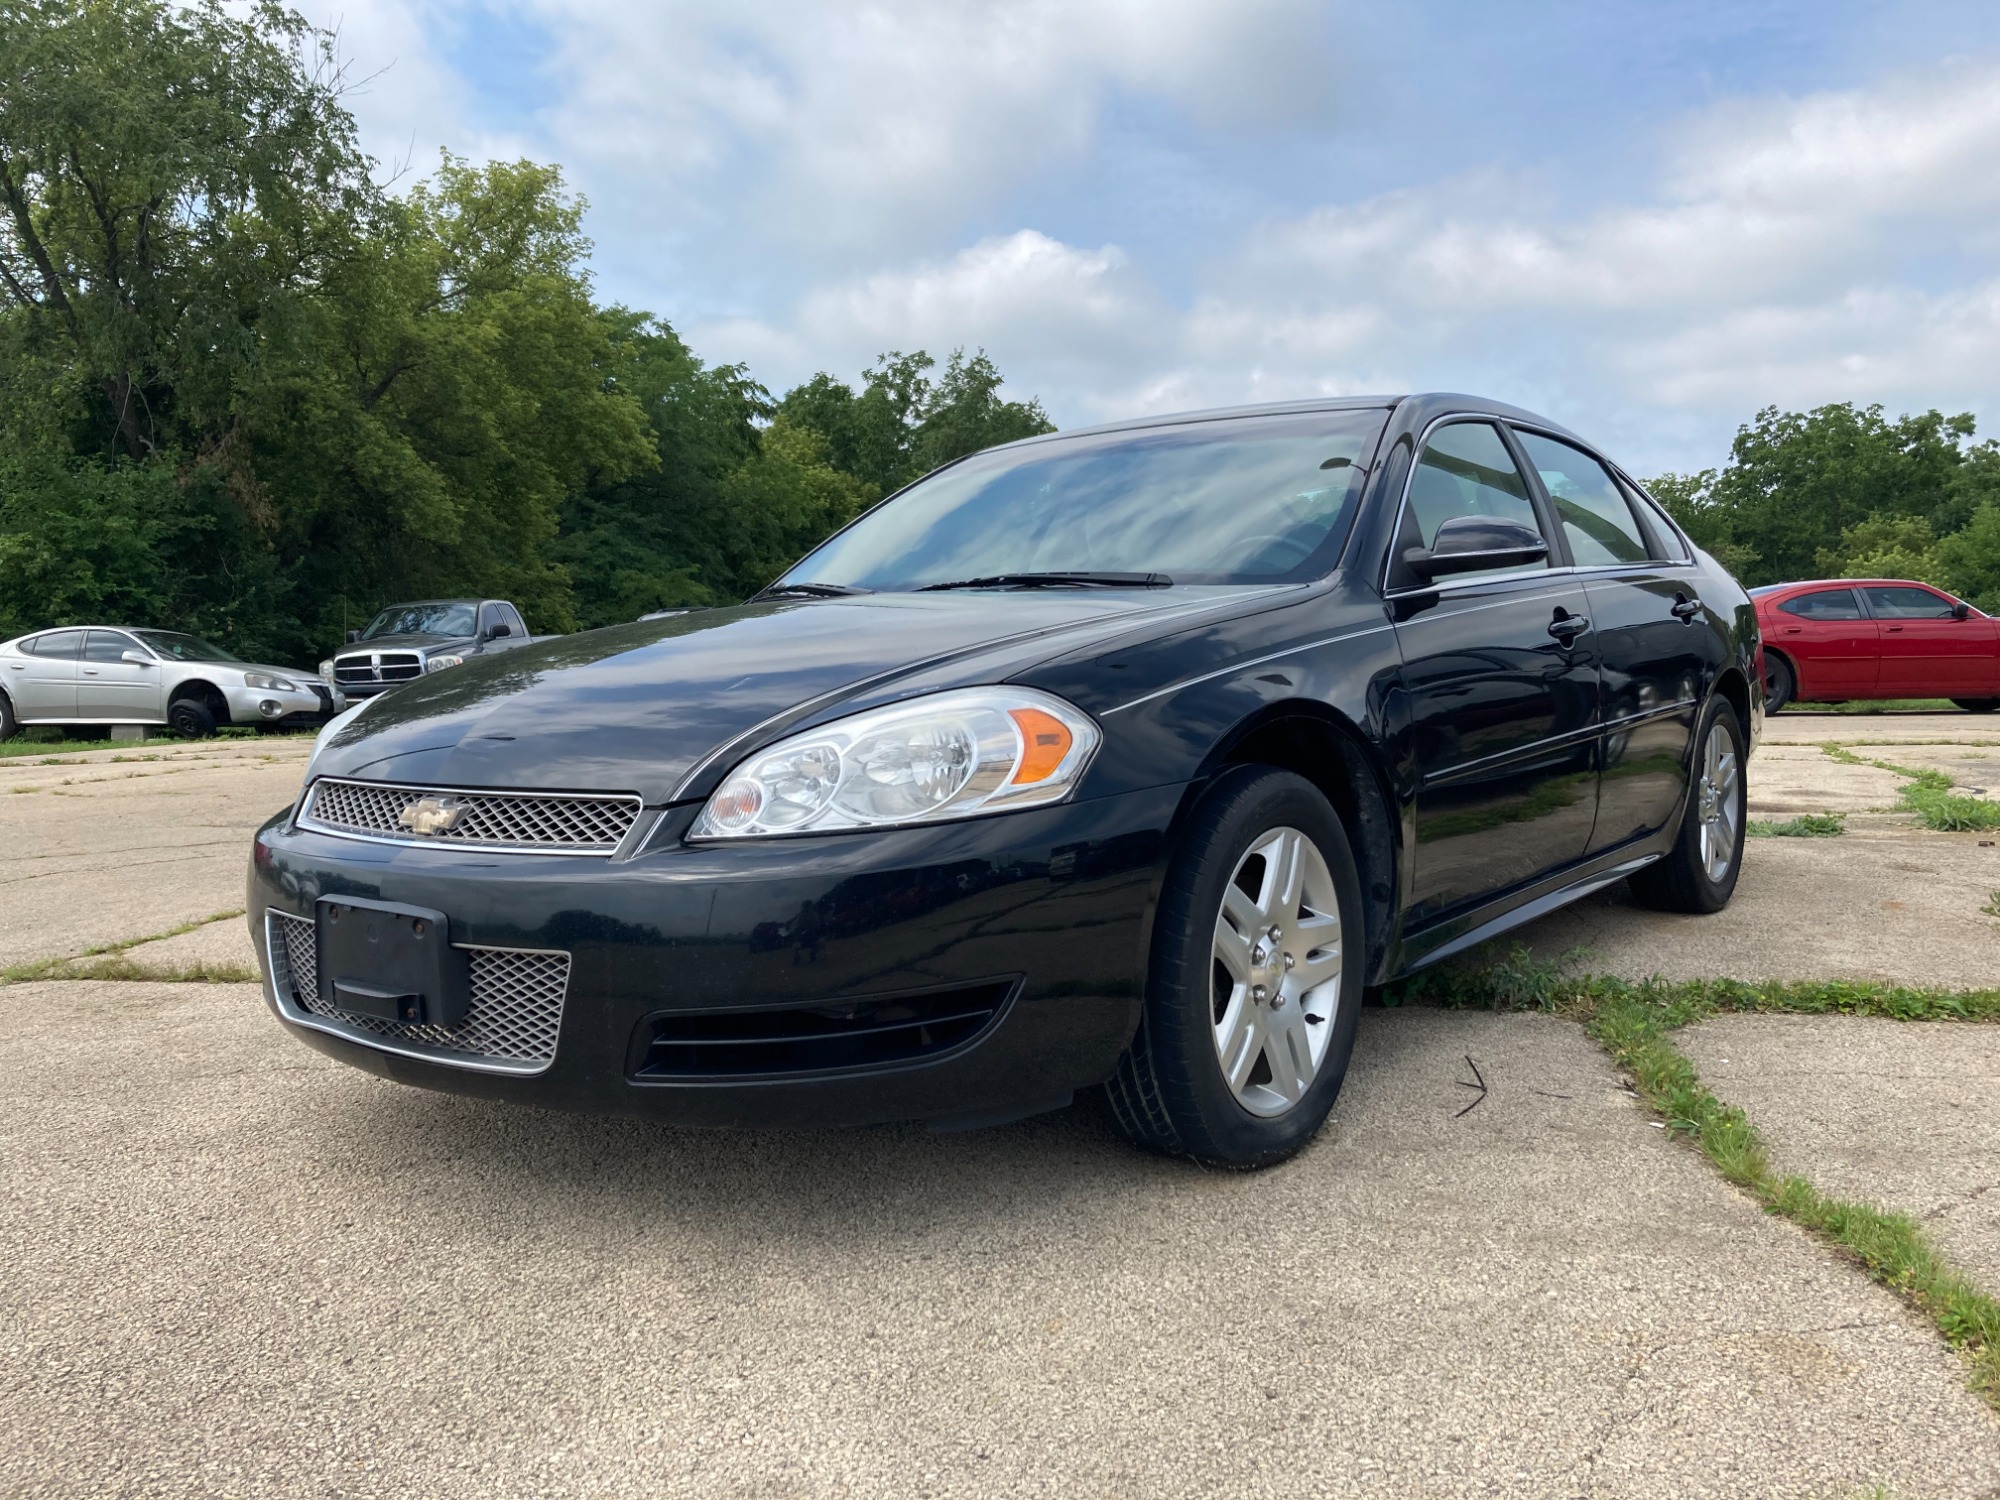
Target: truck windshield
<point>421,619</point>
<point>178,647</point>
<point>1241,500</point>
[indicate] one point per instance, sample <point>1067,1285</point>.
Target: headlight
<point>265,682</point>
<point>442,660</point>
<point>949,755</point>
<point>326,669</point>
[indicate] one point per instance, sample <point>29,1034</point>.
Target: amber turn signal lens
<point>1045,740</point>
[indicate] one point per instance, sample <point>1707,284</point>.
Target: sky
<point>1645,220</point>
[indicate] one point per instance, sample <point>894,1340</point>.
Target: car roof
<point>1843,583</point>
<point>1425,405</point>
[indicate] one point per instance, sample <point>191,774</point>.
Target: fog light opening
<point>271,708</point>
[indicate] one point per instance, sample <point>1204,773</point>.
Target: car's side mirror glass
<point>137,658</point>
<point>494,632</point>
<point>1472,544</point>
<point>1961,610</point>
<point>353,636</point>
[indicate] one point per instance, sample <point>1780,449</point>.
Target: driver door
<point>1504,713</point>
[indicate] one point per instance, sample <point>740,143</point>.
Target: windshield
<point>1242,500</point>
<point>421,619</point>
<point>178,647</point>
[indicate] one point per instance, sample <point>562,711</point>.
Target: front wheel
<point>190,719</point>
<point>1977,705</point>
<point>1780,685</point>
<point>9,725</point>
<point>1699,873</point>
<point>1254,989</point>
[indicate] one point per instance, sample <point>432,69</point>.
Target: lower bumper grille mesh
<point>516,1012</point>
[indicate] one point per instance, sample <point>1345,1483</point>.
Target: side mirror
<point>1961,610</point>
<point>1472,544</point>
<point>137,658</point>
<point>353,636</point>
<point>495,631</point>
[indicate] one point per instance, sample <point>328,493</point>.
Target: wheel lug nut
<point>1278,1001</point>
<point>1259,994</point>
<point>1290,962</point>
<point>1275,933</point>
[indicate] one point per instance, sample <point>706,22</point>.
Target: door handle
<point>90,671</point>
<point>1566,627</point>
<point>1895,629</point>
<point>1685,609</point>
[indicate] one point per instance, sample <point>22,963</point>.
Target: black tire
<point>190,719</point>
<point>1683,881</point>
<point>9,725</point>
<point>1781,684</point>
<point>1977,705</point>
<point>1169,1093</point>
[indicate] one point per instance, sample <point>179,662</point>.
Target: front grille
<point>829,1037</point>
<point>515,1016</point>
<point>543,823</point>
<point>377,666</point>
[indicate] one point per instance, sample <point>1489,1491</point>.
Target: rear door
<point>1504,715</point>
<point>1926,651</point>
<point>111,689</point>
<point>1835,646</point>
<point>1658,649</point>
<point>43,683</point>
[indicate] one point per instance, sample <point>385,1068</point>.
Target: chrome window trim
<point>304,819</point>
<point>470,1062</point>
<point>1491,418</point>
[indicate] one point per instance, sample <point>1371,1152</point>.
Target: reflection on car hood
<point>637,707</point>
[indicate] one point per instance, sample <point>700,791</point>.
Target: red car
<point>1840,639</point>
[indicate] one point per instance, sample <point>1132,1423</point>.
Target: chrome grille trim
<point>512,1026</point>
<point>496,822</point>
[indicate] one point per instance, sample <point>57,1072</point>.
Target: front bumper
<point>1048,906</point>
<point>298,709</point>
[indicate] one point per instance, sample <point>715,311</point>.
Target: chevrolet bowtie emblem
<point>431,816</point>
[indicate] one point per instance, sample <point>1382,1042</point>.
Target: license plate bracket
<point>390,962</point>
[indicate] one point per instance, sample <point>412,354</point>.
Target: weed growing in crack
<point>1804,826</point>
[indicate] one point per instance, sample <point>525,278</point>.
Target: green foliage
<point>1845,491</point>
<point>1804,826</point>
<point>245,391</point>
<point>903,424</point>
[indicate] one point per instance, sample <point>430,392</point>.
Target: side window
<point>1890,603</point>
<point>512,617</point>
<point>58,643</point>
<point>1668,546</point>
<point>107,645</point>
<point>1600,526</point>
<point>1466,470</point>
<point>1827,604</point>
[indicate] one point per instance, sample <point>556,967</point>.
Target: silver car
<point>100,675</point>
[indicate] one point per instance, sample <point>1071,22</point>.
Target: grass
<point>41,740</point>
<point>1928,794</point>
<point>1635,1022</point>
<point>108,961</point>
<point>1992,906</point>
<point>1804,826</point>
<point>1877,706</point>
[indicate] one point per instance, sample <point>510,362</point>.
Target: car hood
<point>639,707</point>
<point>415,642</point>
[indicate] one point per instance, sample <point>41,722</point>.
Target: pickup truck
<point>405,641</point>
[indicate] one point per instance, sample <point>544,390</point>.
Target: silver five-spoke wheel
<point>1276,971</point>
<point>1719,805</point>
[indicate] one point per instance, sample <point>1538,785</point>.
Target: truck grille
<point>537,823</point>
<point>368,667</point>
<point>512,1025</point>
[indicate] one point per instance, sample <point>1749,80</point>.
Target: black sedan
<point>1120,758</point>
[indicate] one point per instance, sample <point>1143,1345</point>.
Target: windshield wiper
<point>1057,581</point>
<point>806,591</point>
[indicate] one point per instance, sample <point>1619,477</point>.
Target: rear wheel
<point>1699,873</point>
<point>190,719</point>
<point>1254,989</point>
<point>8,723</point>
<point>1780,683</point>
<point>1977,705</point>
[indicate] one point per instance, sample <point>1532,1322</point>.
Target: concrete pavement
<point>238,1268</point>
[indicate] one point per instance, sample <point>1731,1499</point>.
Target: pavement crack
<point>1958,1200</point>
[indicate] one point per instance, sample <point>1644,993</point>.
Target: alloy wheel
<point>1275,974</point>
<point>1719,807</point>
